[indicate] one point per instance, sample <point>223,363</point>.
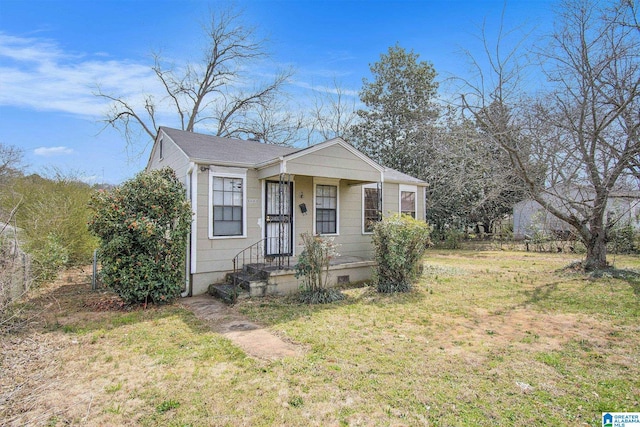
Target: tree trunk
<point>596,251</point>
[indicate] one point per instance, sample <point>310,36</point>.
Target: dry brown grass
<point>51,370</point>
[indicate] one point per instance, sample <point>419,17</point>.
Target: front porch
<point>278,278</point>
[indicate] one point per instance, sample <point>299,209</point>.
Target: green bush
<point>453,239</point>
<point>49,259</point>
<point>52,215</point>
<point>313,268</point>
<point>143,226</point>
<point>622,240</point>
<point>400,242</point>
<point>447,238</point>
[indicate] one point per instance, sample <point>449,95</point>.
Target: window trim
<point>218,172</point>
<point>377,186</point>
<point>335,183</point>
<point>408,189</point>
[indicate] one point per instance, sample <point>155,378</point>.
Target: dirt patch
<point>519,327</point>
<point>255,340</point>
<point>106,303</point>
<point>31,385</point>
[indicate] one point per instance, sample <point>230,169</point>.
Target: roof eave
<point>398,181</point>
<point>269,162</point>
<point>224,164</point>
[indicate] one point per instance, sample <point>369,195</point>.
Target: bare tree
<point>272,123</point>
<point>332,114</point>
<point>10,168</point>
<point>10,162</point>
<point>576,142</point>
<point>215,93</point>
<point>470,182</point>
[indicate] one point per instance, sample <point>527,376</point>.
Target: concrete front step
<point>227,292</point>
<point>246,281</point>
<point>266,279</point>
<point>239,285</point>
<point>256,271</point>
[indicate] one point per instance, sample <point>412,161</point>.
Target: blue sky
<point>53,53</point>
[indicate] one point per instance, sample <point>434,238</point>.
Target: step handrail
<point>256,254</point>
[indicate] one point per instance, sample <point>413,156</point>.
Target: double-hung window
<point>227,216</point>
<point>408,200</point>
<point>326,209</point>
<point>371,206</point>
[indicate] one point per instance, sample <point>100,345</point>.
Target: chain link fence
<point>16,277</point>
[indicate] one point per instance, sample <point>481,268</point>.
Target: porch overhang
<point>349,180</point>
<point>332,159</point>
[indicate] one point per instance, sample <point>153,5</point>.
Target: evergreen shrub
<point>143,226</point>
<point>400,242</point>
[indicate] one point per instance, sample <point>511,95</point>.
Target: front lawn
<point>486,338</point>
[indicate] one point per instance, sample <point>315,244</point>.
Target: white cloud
<point>52,151</point>
<point>328,88</point>
<point>36,73</point>
<point>27,49</point>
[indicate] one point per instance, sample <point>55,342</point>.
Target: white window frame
<point>408,189</point>
<point>219,172</point>
<point>335,183</point>
<point>377,187</point>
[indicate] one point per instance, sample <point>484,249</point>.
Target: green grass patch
<point>167,405</point>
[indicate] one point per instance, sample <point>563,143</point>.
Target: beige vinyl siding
<point>333,162</point>
<point>421,214</point>
<point>352,241</point>
<point>270,172</point>
<point>391,200</point>
<point>303,185</point>
<point>390,196</point>
<point>172,157</point>
<point>216,255</point>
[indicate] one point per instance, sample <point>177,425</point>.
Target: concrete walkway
<point>255,340</point>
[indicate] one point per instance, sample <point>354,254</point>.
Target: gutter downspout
<point>191,182</point>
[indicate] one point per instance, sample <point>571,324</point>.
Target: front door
<point>278,218</point>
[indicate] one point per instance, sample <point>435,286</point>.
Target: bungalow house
<point>251,201</point>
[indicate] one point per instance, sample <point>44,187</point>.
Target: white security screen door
<point>278,218</point>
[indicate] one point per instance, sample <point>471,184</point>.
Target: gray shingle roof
<point>392,175</point>
<point>216,149</point>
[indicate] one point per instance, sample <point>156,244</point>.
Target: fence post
<point>25,273</point>
<point>95,270</point>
